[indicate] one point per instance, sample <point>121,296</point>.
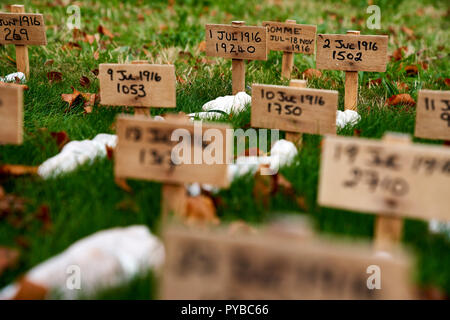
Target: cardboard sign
<point>396,180</point>
<point>206,265</point>
<point>11,114</point>
<point>236,42</point>
<point>351,52</point>
<point>137,85</point>
<point>294,109</point>
<point>289,37</point>
<point>433,115</point>
<point>22,29</point>
<point>150,149</point>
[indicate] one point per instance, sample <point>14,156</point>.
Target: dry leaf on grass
<point>202,46</point>
<point>401,86</point>
<point>398,53</point>
<point>17,170</point>
<point>201,209</point>
<point>311,74</point>
<point>61,138</point>
<point>411,70</point>
<point>409,32</point>
<point>122,184</point>
<point>30,291</point>
<point>43,215</point>
<point>8,258</point>
<point>71,97</point>
<point>54,76</point>
<point>374,82</point>
<point>85,82</point>
<point>401,99</point>
<point>104,31</point>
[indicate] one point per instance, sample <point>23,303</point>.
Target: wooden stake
<point>351,85</point>
<point>238,68</point>
<point>137,110</point>
<point>174,199</point>
<point>296,137</point>
<point>388,229</point>
<point>22,61</point>
<point>288,60</point>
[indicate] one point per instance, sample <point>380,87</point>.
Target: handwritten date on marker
<point>173,151</point>
<point>138,85</point>
<point>372,176</point>
<point>351,52</point>
<point>22,29</point>
<point>433,115</point>
<point>11,114</point>
<point>236,42</point>
<point>213,265</point>
<point>294,109</point>
<point>298,38</point>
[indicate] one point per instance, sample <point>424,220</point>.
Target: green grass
<point>87,200</point>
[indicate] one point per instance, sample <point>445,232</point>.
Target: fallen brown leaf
<point>374,82</point>
<point>201,209</point>
<point>411,70</point>
<point>71,97</point>
<point>401,99</point>
<point>202,46</point>
<point>122,184</point>
<point>311,73</point>
<point>8,258</point>
<point>104,31</point>
<point>43,215</point>
<point>401,86</point>
<point>398,53</point>
<point>61,138</point>
<point>30,291</point>
<point>409,32</point>
<point>17,170</point>
<point>54,76</point>
<point>85,82</point>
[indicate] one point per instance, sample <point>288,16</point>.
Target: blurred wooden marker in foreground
<point>151,150</point>
<point>392,178</point>
<point>203,265</point>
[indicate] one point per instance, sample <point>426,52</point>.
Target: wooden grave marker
<point>139,84</point>
<point>433,115</point>
<point>144,151</point>
<point>351,53</point>
<point>290,38</point>
<point>22,29</point>
<point>206,265</point>
<point>294,109</point>
<point>391,178</point>
<point>11,114</point>
<point>237,42</point>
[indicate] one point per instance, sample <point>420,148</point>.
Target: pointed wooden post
<point>288,60</point>
<point>351,85</point>
<point>22,61</point>
<point>238,68</point>
<point>389,230</point>
<point>296,137</point>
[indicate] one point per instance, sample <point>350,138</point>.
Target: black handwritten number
<point>251,49</point>
<point>428,105</point>
<point>142,91</point>
<point>351,151</point>
<point>8,33</point>
<point>356,177</point>
<point>110,72</point>
<point>327,44</point>
<point>133,133</point>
